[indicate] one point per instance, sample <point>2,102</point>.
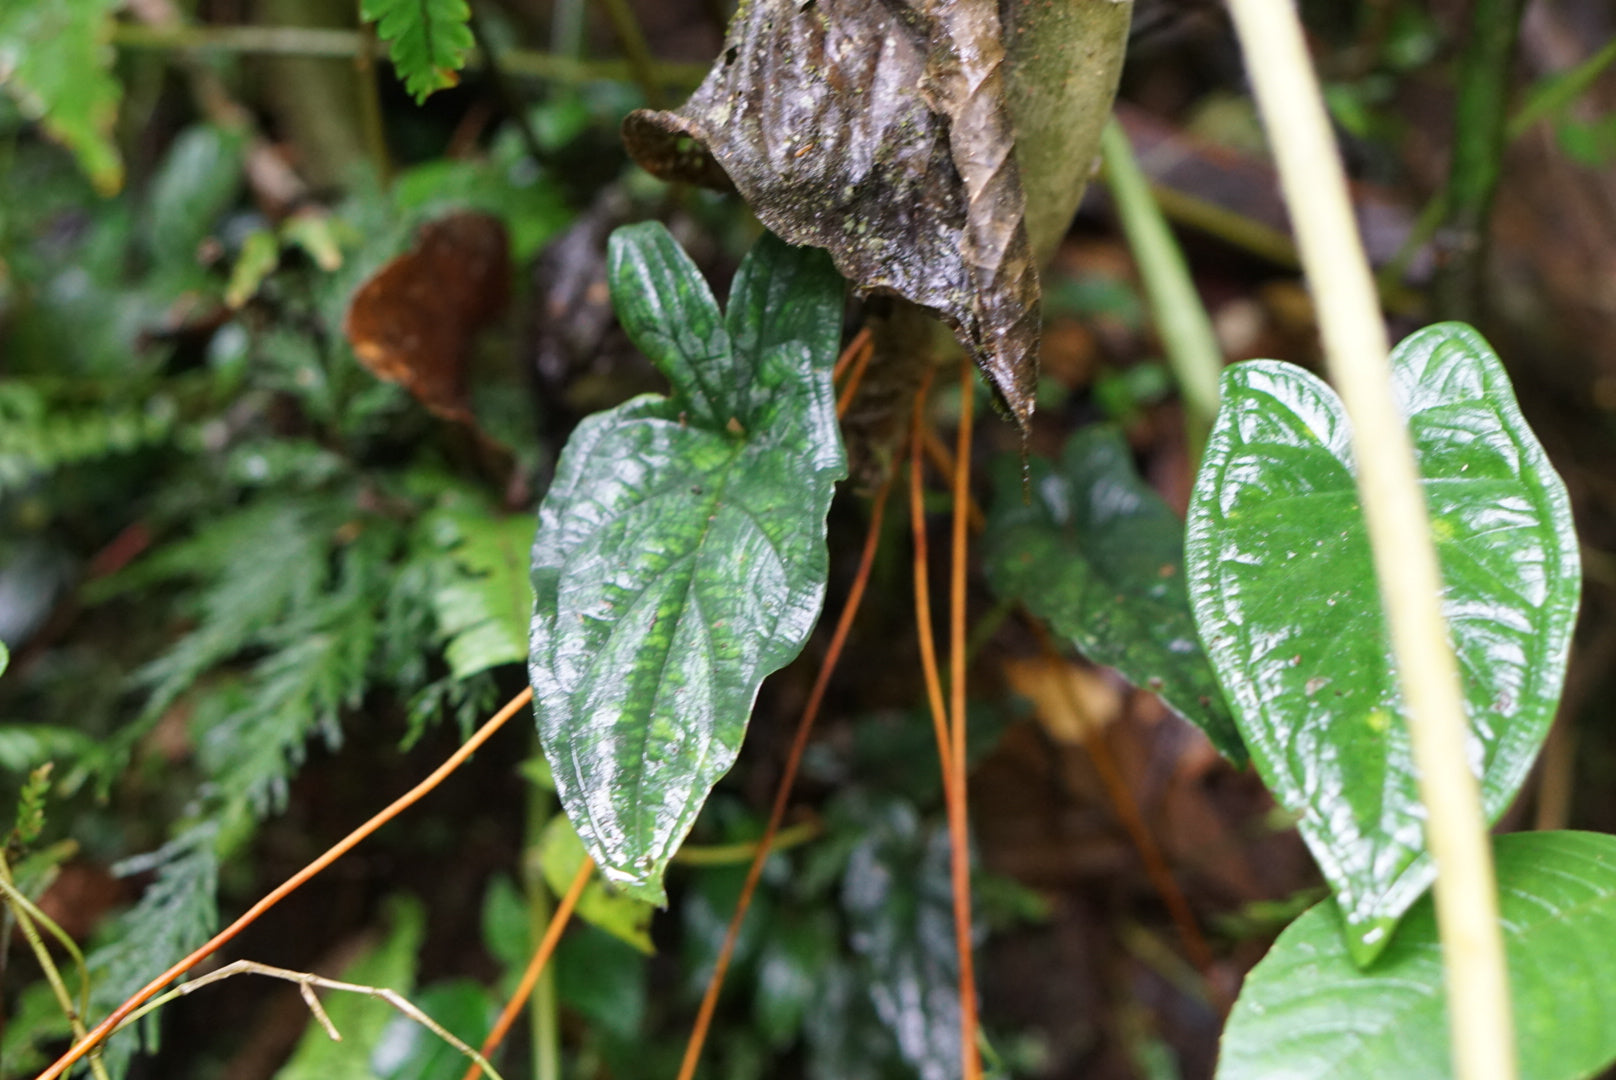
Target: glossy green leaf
<point>56,61</point>
<point>680,554</point>
<point>1307,1011</point>
<point>899,902</point>
<point>427,40</point>
<point>625,917</point>
<point>1097,554</point>
<point>1285,596</point>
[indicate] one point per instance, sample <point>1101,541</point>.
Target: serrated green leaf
<point>1284,593</point>
<point>359,1018</point>
<point>1307,1011</point>
<point>625,917</point>
<point>56,61</point>
<point>680,555</point>
<point>426,39</point>
<point>484,604</point>
<point>1098,555</point>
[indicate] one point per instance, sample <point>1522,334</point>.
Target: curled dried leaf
<point>898,159</point>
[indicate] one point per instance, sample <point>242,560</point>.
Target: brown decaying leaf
<point>412,322</point>
<point>878,131</point>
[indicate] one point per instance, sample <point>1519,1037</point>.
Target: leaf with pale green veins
<point>56,61</point>
<point>680,555</point>
<point>427,40</point>
<point>1097,554</point>
<point>1308,1013</point>
<point>1284,592</point>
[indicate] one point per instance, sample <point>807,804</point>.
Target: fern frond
<point>175,915</point>
<point>261,565</point>
<point>427,40</point>
<point>39,436</point>
<point>298,691</point>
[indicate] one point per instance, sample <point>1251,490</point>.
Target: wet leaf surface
<point>1307,1011</point>
<point>1098,555</point>
<point>680,554</point>
<point>898,160</point>
<point>900,916</point>
<point>1284,593</point>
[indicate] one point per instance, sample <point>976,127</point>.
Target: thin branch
<point>958,819</point>
<point>746,850</point>
<point>631,39</point>
<point>27,913</point>
<point>508,99</point>
<point>535,966</point>
<point>1357,349</point>
<point>1181,319</point>
<point>344,44</point>
<point>289,886</point>
<point>1479,135</point>
<point>306,984</point>
<point>788,776</point>
<point>922,575</point>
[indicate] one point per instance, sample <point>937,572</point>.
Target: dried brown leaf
<point>413,321</point>
<point>878,131</point>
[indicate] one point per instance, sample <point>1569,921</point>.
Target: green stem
<point>1553,96</point>
<point>1356,347</point>
<point>1561,90</point>
<point>343,44</point>
<point>743,852</point>
<point>508,99</point>
<point>370,105</point>
<point>1478,152</point>
<point>631,39</point>
<point>1181,319</point>
<point>27,914</point>
<point>542,1006</point>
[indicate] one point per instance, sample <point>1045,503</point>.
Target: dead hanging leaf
<point>879,132</point>
<point>413,321</point>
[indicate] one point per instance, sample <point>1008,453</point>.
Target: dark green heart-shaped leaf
<point>1284,593</point>
<point>1308,1012</point>
<point>1098,555</point>
<point>680,554</point>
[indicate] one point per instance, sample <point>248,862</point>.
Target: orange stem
<point>777,813</point>
<point>917,526</point>
<point>854,347</point>
<point>535,966</point>
<point>854,378</point>
<point>291,885</point>
<point>943,461</point>
<point>958,827</point>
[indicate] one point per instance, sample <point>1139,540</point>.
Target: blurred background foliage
<point>251,591</point>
